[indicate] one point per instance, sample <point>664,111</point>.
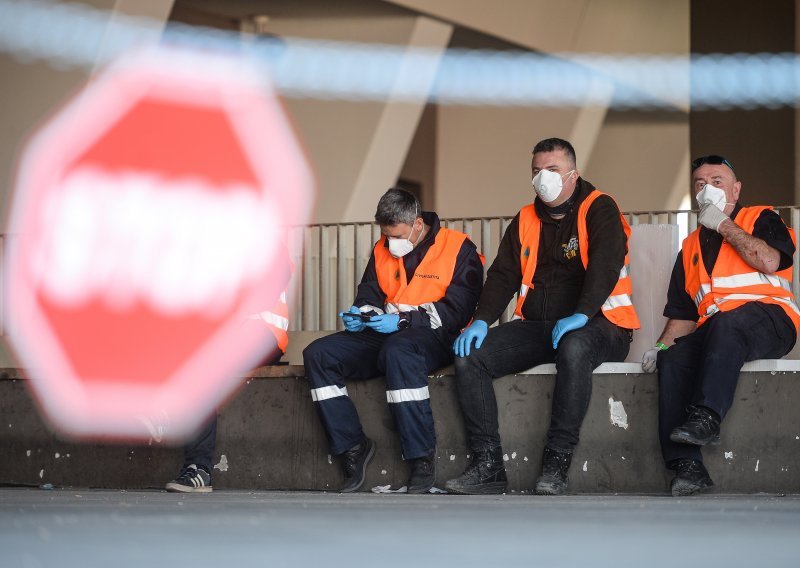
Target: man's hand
<point>569,323</point>
<point>384,323</point>
<point>649,360</point>
<point>352,323</point>
<point>475,332</point>
<point>711,217</point>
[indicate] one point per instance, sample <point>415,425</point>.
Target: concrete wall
<point>483,153</point>
<point>34,90</point>
<point>475,161</point>
<point>272,439</point>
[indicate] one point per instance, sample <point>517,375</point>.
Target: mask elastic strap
<point>416,209</point>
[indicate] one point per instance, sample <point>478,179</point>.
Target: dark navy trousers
<point>702,368</point>
<point>405,358</point>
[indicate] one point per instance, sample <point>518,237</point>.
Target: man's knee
<point>314,351</point>
<point>465,365</point>
<point>398,350</point>
<point>574,350</point>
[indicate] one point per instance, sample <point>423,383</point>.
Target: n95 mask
<point>398,248</point>
<point>548,185</point>
<point>711,195</point>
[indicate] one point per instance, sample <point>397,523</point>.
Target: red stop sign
<point>148,223</point>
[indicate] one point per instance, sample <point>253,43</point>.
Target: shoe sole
<point>494,488</point>
<point>370,454</point>
<point>683,438</point>
<point>177,488</point>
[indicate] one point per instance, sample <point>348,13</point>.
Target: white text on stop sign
<point>179,246</point>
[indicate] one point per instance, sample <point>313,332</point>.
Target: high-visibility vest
<point>618,307</point>
<point>431,278</point>
<point>733,282</point>
<point>277,320</point>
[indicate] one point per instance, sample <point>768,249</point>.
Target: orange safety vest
<point>618,308</point>
<point>277,320</point>
<point>431,278</point>
<point>733,282</point>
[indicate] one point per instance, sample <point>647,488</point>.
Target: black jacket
<point>562,286</point>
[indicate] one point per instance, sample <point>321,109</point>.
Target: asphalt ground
<point>68,528</point>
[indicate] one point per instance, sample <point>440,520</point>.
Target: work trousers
<point>521,344</point>
<point>702,368</point>
<point>405,358</point>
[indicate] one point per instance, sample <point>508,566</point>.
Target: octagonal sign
<point>147,224</point>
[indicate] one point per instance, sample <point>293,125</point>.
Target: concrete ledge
<point>271,437</point>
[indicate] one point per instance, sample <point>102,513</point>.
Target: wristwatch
<point>405,320</point>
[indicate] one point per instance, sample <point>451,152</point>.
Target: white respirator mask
<point>548,185</point>
<point>398,248</point>
<point>712,195</point>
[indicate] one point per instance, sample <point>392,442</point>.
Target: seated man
<point>419,289</point>
<point>198,454</point>
<point>566,254</point>
<point>729,301</point>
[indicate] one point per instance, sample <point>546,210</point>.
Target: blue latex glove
<point>384,323</point>
<point>352,323</point>
<point>476,331</point>
<point>567,324</point>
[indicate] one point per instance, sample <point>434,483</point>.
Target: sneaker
<point>555,465</point>
<point>423,474</point>
<point>700,429</point>
<point>354,465</point>
<point>485,475</point>
<point>191,480</point>
<point>691,477</point>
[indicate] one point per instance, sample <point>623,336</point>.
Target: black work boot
<point>691,477</point>
<point>485,475</point>
<point>354,465</point>
<point>555,465</point>
<point>423,474</point>
<point>700,429</point>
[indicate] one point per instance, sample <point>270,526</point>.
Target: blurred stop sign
<point>148,222</point>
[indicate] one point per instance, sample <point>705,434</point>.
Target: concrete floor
<point>68,528</point>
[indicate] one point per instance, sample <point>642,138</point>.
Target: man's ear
<point>737,187</point>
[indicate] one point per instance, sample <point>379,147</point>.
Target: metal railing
<point>330,259</point>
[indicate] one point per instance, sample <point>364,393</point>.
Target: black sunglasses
<point>712,159</point>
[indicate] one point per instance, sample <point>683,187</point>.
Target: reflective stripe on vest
<point>277,320</point>
<point>733,282</point>
<point>431,278</point>
<point>618,307</point>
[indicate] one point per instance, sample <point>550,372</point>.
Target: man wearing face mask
<point>729,301</point>
<point>419,289</point>
<point>566,256</point>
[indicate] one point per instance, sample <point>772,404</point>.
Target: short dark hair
<point>553,144</point>
<point>714,160</point>
<point>397,206</point>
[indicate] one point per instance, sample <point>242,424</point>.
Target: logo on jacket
<point>397,274</point>
<point>433,276</point>
<point>570,249</point>
<point>526,252</point>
